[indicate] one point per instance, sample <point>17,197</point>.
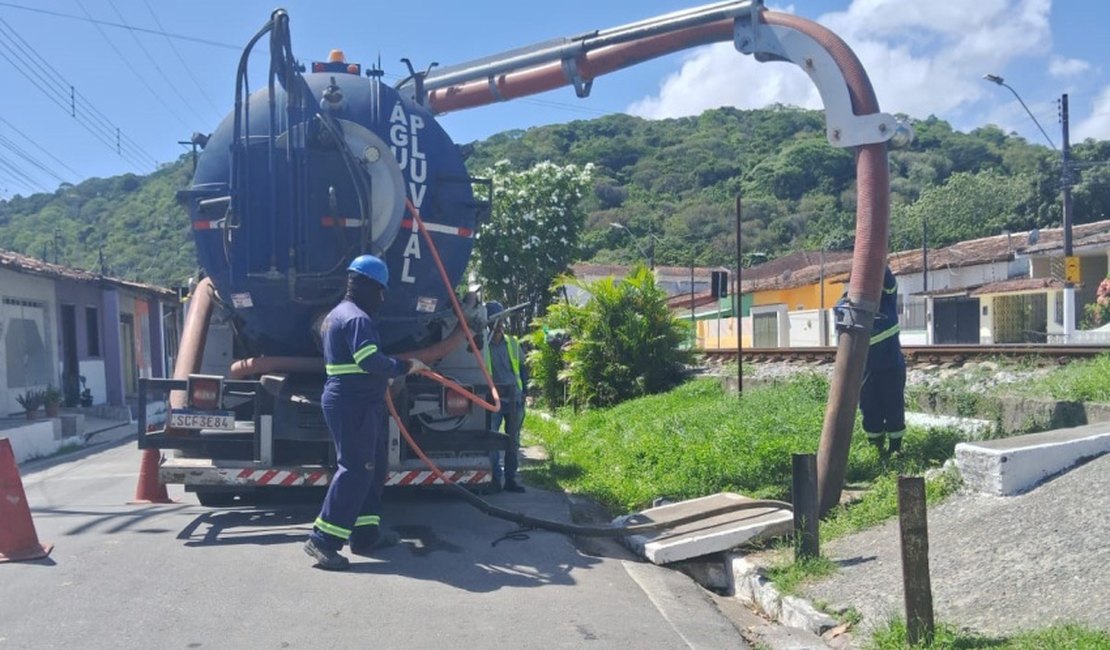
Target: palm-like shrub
<point>623,343</point>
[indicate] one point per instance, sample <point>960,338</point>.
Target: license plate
<point>218,420</point>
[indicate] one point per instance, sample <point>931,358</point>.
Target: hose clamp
<point>776,43</point>
<point>850,317</point>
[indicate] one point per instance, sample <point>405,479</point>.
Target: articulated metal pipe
<point>264,365</point>
<point>190,353</point>
<point>873,195</point>
<point>868,262</point>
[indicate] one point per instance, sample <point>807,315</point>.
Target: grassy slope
<point>695,441</point>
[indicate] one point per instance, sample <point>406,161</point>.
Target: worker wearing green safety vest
<point>505,363</point>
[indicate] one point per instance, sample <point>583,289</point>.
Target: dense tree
<point>532,234</point>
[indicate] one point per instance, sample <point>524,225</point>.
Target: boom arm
<point>852,120</point>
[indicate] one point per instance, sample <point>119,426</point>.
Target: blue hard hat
<point>494,308</point>
<point>372,267</point>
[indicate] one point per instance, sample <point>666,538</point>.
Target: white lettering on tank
<point>404,140</point>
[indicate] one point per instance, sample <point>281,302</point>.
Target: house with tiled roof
<point>1007,288</point>
<point>89,335</point>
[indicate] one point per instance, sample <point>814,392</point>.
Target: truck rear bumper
<point>193,472</point>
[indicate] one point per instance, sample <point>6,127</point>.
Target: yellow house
<point>799,281</point>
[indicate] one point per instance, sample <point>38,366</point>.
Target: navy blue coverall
<point>358,375</point>
<point>882,398</point>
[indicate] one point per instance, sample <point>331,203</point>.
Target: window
<point>92,330</point>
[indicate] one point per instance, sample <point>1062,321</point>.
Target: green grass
<point>695,440</point>
<point>880,503</point>
<point>1057,637</point>
<point>1079,381</point>
<point>790,575</point>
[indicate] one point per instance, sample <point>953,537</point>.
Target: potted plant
<point>52,400</point>
<point>86,394</point>
<point>30,401</point>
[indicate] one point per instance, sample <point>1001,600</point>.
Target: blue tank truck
<point>326,163</point>
<point>314,169</point>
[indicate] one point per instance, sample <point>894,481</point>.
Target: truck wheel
<point>215,498</point>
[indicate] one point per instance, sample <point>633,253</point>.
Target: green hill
<point>675,178</point>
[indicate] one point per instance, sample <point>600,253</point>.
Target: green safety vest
<point>514,359</point>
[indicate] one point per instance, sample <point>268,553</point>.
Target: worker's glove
<point>417,366</point>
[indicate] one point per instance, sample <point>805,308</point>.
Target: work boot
<point>384,539</point>
<point>896,446</point>
<point>513,486</point>
<point>326,559</point>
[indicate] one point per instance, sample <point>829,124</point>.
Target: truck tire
<point>210,498</point>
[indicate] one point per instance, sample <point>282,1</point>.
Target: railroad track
<point>917,354</point>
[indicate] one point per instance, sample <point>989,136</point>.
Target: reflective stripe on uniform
<point>333,369</point>
<point>897,435</point>
<point>368,520</point>
<point>885,334</point>
<point>332,529</point>
<point>874,436</point>
<point>364,352</point>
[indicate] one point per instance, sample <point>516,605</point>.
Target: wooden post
<point>915,559</point>
<point>806,541</point>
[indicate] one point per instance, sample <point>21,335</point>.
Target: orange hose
<point>496,405</point>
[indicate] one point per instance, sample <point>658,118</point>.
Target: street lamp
<point>995,79</point>
<point>1065,197</point>
<point>650,254</point>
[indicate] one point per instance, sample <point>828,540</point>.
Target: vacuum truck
<point>319,166</point>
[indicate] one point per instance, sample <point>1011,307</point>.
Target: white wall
<point>95,379</point>
<point>26,287</point>
<point>805,328</point>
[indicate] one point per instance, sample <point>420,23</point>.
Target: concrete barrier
<point>1009,466</point>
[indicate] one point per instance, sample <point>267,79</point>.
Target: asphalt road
<point>183,576</point>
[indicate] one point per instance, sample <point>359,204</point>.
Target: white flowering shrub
<point>532,233</point>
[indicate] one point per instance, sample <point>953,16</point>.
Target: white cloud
<point>923,58</point>
<point>1058,66</point>
<point>1097,124</point>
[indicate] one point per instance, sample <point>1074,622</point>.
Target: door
<point>127,355</point>
<point>1021,318</point>
<point>956,321</point>
<point>26,356</point>
<point>70,371</point>
<point>765,330</point>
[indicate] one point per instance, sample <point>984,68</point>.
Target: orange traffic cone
<point>150,488</point>
<point>18,540</point>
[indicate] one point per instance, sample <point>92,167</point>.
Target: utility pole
<point>924,253</point>
<point>1065,189</point>
<point>737,302</point>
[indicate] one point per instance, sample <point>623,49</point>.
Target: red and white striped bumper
<point>204,472</point>
<point>418,477</point>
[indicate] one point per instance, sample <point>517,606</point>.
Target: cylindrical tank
<point>278,212</point>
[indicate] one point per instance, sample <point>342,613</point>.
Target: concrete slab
<point>707,536</point>
<point>1009,466</point>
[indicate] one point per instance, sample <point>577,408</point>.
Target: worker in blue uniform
<point>358,375</point>
<point>505,362</point>
<point>882,397</point>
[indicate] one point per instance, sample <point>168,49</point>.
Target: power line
<point>40,148</point>
<point>134,70</point>
<point>184,64</point>
<point>94,21</point>
<point>154,61</point>
<point>14,170</point>
<point>100,126</point>
<point>34,162</point>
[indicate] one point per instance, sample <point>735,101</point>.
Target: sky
<point>924,58</point>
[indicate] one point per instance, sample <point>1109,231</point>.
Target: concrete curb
<point>752,588</point>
